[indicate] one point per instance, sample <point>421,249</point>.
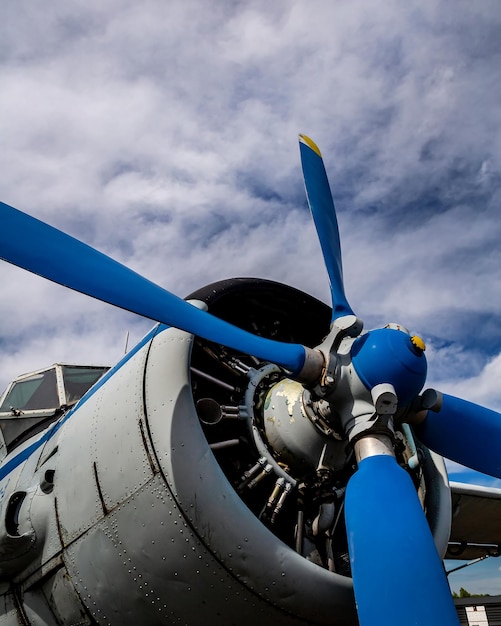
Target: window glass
<point>35,392</point>
<point>78,380</point>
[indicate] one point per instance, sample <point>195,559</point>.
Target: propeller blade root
<point>462,431</point>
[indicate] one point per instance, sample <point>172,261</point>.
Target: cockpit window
<point>48,390</point>
<point>78,380</point>
<point>38,391</point>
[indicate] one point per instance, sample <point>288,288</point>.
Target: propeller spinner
<point>368,380</point>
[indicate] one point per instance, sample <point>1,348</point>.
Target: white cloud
<point>165,134</point>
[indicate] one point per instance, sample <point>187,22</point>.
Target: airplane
<point>256,458</point>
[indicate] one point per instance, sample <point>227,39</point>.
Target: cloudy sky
<point>165,134</point>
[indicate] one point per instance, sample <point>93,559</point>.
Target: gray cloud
<point>165,135</point>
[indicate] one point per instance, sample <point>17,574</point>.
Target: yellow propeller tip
<point>310,143</point>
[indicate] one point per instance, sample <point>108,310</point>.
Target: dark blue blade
<point>324,215</point>
<point>398,576</point>
<point>464,432</point>
<point>48,252</point>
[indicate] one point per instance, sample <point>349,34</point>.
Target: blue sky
<point>165,134</point>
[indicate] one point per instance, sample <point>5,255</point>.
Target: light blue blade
<point>322,209</point>
<point>398,576</point>
<point>464,432</point>
<point>48,252</point>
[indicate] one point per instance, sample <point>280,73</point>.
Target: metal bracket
<point>345,326</point>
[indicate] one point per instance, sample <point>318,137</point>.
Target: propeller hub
<point>386,355</point>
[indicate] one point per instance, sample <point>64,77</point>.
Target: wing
<point>476,522</point>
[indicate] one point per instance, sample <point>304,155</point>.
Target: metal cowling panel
<point>237,539</point>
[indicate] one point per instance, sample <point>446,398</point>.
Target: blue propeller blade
<point>398,576</point>
<point>48,252</point>
<point>464,432</point>
<point>324,215</point>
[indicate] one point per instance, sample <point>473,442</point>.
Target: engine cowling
<point>194,483</point>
